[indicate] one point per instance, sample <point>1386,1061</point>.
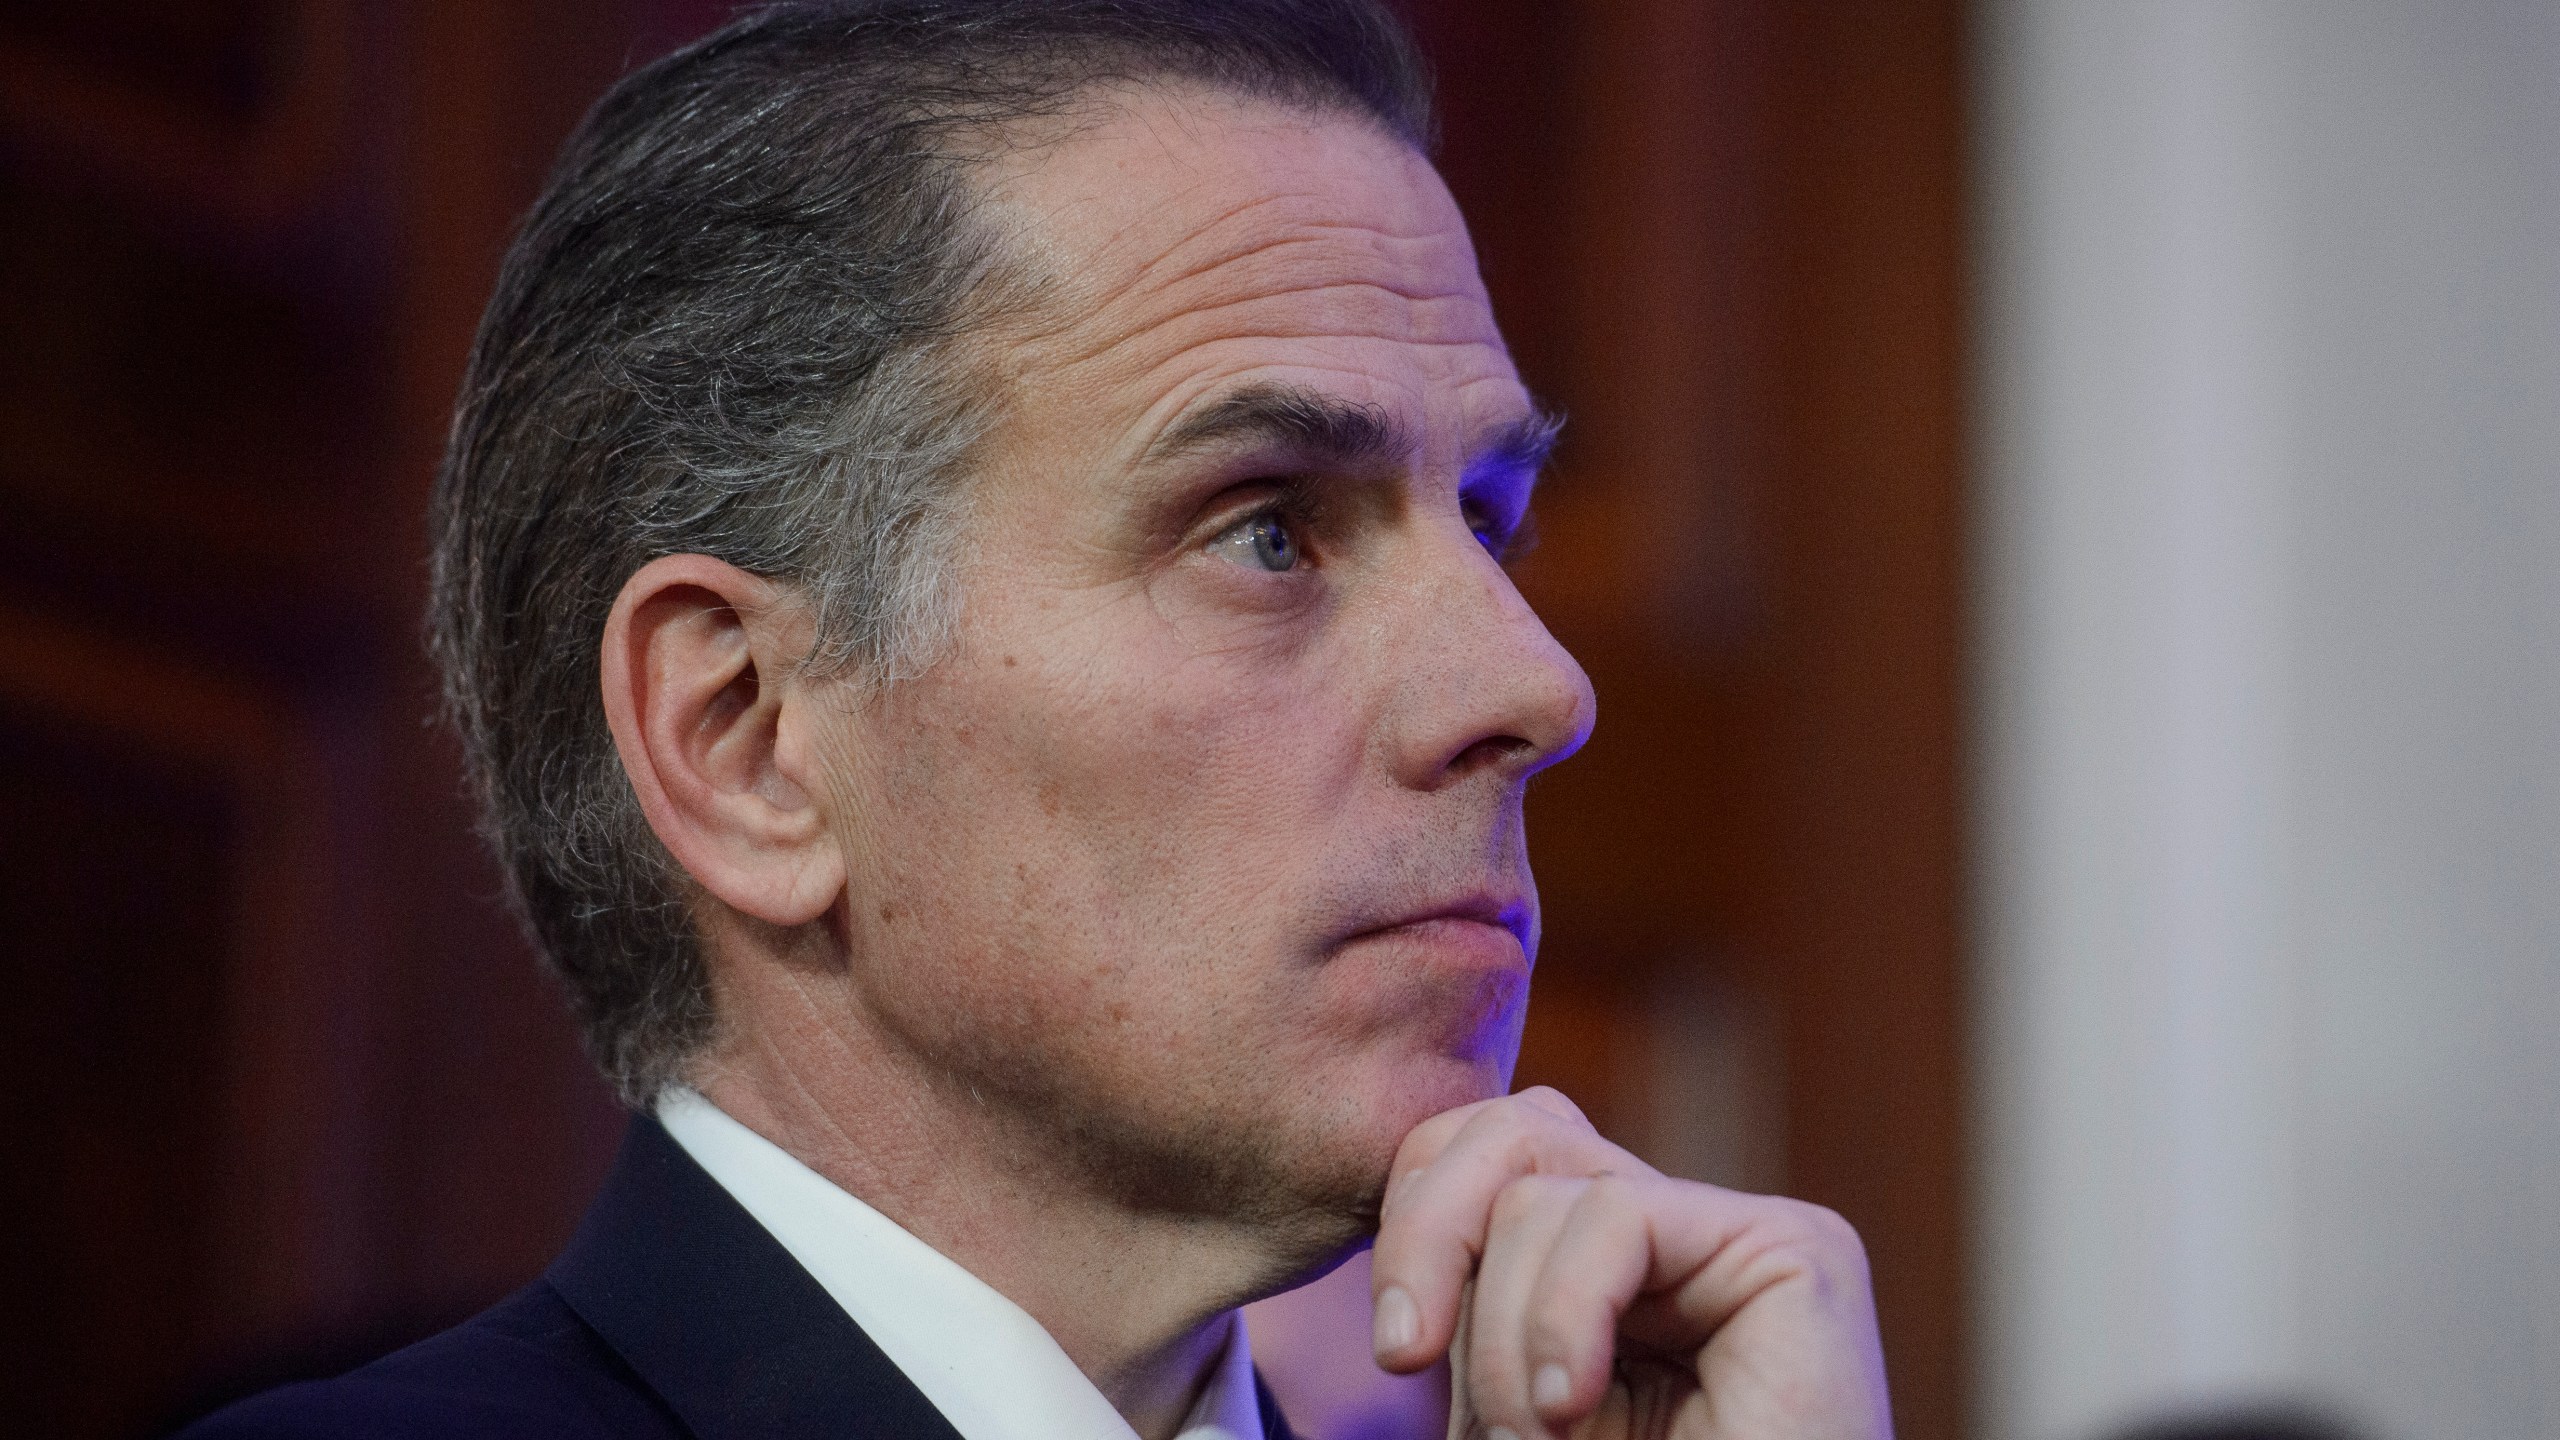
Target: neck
<point>1141,1302</point>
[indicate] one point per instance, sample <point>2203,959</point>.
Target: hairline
<point>979,350</point>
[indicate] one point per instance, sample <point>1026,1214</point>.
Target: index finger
<point>1424,1143</point>
<point>1440,1204</point>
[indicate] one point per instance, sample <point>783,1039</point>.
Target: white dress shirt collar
<point>990,1368</point>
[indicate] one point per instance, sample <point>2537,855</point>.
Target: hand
<point>1609,1300</point>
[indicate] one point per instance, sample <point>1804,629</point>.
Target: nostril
<point>1491,753</point>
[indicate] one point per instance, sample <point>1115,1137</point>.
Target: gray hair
<point>736,324</point>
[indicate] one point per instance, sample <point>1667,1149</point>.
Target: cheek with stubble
<point>1089,867</point>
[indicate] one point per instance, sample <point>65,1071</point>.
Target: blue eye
<point>1264,542</point>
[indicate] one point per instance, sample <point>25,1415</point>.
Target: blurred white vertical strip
<point>2270,710</point>
<point>2203,1096</point>
<point>2133,570</point>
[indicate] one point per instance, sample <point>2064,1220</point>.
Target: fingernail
<point>1398,1324</point>
<point>1552,1388</point>
<point>1500,1432</point>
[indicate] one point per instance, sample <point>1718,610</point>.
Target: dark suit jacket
<point>671,1316</point>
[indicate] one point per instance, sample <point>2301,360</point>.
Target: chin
<point>1446,1082</point>
<point>1346,1164</point>
<point>1419,1087</point>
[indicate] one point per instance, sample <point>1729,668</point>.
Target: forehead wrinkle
<point>1102,299</point>
<point>1327,325</point>
<point>1173,274</point>
<point>1375,247</point>
<point>1169,140</point>
<point>1312,203</point>
<point>1261,289</point>
<point>1304,230</point>
<point>1276,243</point>
<point>1156,278</point>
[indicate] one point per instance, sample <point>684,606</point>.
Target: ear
<point>715,734</point>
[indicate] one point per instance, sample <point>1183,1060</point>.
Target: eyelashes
<point>1285,532</point>
<point>1266,540</point>
<point>1275,531</point>
<point>1505,537</point>
<point>1514,545</point>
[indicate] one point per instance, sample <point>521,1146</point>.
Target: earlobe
<point>697,669</point>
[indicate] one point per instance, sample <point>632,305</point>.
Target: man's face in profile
<point>1198,858</point>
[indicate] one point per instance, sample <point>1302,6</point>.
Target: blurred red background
<point>287,1086</point>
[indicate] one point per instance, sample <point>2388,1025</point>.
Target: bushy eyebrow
<point>1331,431</point>
<point>1325,428</point>
<point>1521,447</point>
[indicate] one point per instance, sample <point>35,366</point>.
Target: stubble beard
<point>1289,1182</point>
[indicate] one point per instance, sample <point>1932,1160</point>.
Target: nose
<point>1484,685</point>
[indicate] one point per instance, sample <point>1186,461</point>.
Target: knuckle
<point>1426,1140</point>
<point>1611,1201</point>
<point>1613,1189</point>
<point>1552,1103</point>
<point>1493,1131</point>
<point>1831,1228</point>
<point>1825,1238</point>
<point>1525,1195</point>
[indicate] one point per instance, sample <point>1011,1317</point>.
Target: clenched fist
<point>1579,1292</point>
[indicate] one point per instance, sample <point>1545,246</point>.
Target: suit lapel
<point>718,1318</point>
<point>1275,1426</point>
